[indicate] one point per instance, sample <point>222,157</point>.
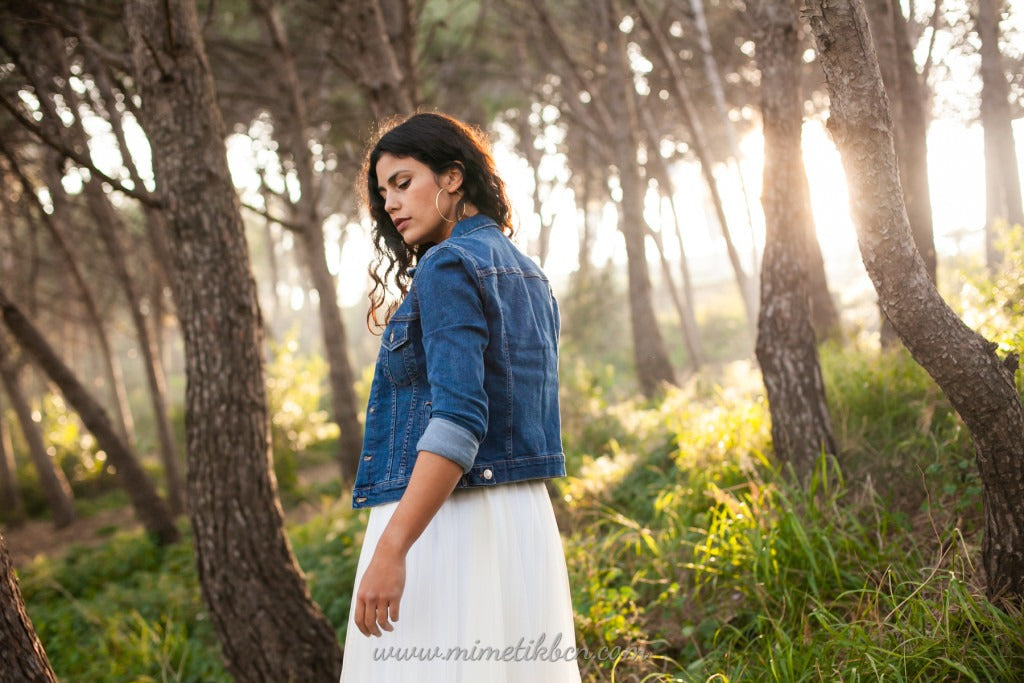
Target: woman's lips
<point>401,223</point>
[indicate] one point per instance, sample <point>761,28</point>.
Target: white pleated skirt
<point>486,596</point>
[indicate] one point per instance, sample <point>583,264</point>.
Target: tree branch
<point>294,227</point>
<point>80,159</point>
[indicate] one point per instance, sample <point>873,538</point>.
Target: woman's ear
<point>453,178</point>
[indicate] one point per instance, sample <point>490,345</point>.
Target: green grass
<point>682,538</point>
<point>694,547</point>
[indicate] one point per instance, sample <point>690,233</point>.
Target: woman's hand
<point>432,481</point>
<point>380,591</point>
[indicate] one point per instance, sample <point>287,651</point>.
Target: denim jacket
<point>467,369</point>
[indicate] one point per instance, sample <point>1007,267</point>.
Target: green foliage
<point>995,304</point>
<point>72,448</point>
<point>682,538</point>
<point>128,610</point>
<point>894,426</point>
<point>695,548</point>
<point>295,393</point>
<point>327,548</point>
<point>595,326</point>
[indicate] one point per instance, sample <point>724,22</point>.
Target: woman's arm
<point>432,481</point>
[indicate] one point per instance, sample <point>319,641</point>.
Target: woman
<point>462,427</point>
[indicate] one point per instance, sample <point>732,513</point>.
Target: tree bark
<point>786,345</point>
<point>268,626</point>
<point>140,489</point>
<point>653,366</point>
<point>51,479</point>
<point>109,224</point>
<point>56,224</point>
<point>22,658</point>
<point>1002,174</point>
<point>978,384</point>
<point>911,152</point>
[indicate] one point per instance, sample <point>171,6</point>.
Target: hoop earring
<point>438,207</point>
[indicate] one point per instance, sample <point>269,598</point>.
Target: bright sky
<point>956,173</point>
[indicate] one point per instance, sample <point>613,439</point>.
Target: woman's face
<point>410,191</point>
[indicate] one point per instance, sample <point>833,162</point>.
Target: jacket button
<point>488,474</point>
<point>361,500</point>
<point>373,409</point>
<point>367,456</point>
<point>392,337</point>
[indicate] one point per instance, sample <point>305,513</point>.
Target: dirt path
<point>37,538</point>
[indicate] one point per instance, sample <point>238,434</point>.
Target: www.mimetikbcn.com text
<point>533,650</point>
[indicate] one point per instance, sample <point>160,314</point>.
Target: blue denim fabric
<point>467,369</point>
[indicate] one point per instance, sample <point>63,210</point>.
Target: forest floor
<point>38,538</point>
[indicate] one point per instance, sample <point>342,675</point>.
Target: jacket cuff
<point>451,441</point>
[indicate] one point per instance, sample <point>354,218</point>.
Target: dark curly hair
<point>440,142</point>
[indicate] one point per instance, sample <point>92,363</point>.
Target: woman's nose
<point>390,202</point>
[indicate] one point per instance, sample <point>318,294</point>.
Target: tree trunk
<point>105,98</point>
<point>978,384</point>
<point>691,329</point>
<point>10,494</point>
<point>913,155</point>
<point>653,366</point>
<point>692,346</point>
<point>374,65</point>
<point>110,226</point>
<point>910,151</point>
<point>51,479</point>
<point>699,144</point>
<point>140,489</point>
<point>59,221</point>
<point>786,345</point>
<point>268,626</point>
<point>335,339</point>
<point>272,263</point>
<point>307,213</point>
<point>685,308</point>
<point>53,223</point>
<point>1002,174</point>
<point>824,316</point>
<point>22,658</point>
<point>718,92</point>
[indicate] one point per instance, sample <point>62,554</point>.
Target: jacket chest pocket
<point>399,354</point>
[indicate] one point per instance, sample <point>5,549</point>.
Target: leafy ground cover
<point>684,541</point>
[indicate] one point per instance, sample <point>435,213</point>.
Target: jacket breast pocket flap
<point>400,360</point>
<point>397,335</point>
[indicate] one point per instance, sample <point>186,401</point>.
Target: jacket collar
<point>467,225</point>
<point>463,227</point>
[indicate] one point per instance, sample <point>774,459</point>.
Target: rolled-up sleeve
<point>455,335</point>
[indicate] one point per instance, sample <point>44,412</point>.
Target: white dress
<point>486,596</point>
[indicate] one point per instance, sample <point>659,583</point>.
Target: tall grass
<point>683,538</point>
<point>700,551</point>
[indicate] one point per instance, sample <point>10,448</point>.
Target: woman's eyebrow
<point>391,180</point>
